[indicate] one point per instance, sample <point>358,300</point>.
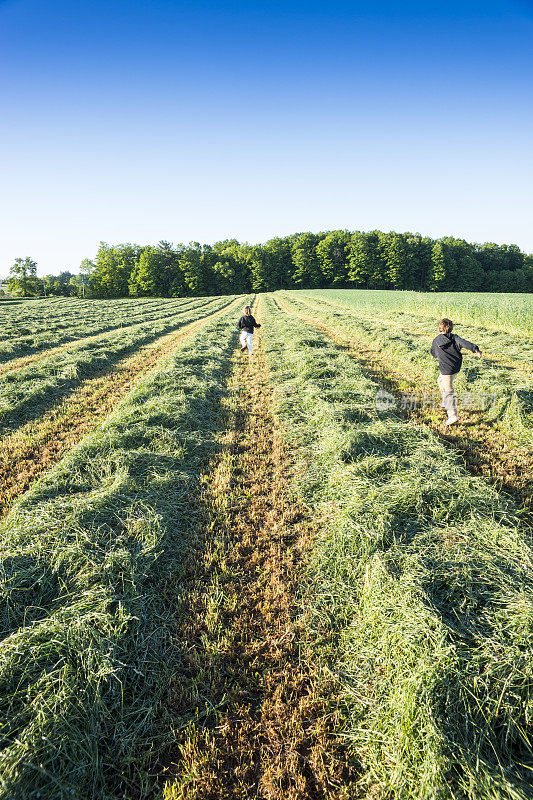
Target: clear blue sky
<point>147,120</point>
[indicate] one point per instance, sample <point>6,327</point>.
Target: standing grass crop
<point>496,311</point>
<point>419,594</point>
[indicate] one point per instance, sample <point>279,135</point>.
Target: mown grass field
<point>233,577</point>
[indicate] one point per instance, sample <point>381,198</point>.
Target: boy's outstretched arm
<point>468,346</point>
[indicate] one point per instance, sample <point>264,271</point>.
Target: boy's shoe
<point>244,348</point>
<point>452,420</point>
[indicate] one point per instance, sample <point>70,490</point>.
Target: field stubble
<point>92,580</point>
<point>273,736</point>
<point>163,627</point>
<point>27,393</point>
<point>37,326</point>
<point>419,589</point>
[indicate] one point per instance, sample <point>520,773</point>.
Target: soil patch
<point>273,733</point>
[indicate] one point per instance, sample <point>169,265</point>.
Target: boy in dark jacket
<point>446,347</point>
<point>246,325</point>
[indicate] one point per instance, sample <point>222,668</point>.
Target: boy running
<point>446,347</point>
<point>246,325</point>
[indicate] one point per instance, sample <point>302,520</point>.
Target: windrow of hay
<point>268,727</point>
<point>93,574</point>
<point>419,590</point>
<point>27,453</point>
<point>36,325</point>
<point>500,380</point>
<point>494,441</point>
<point>51,340</point>
<point>28,393</point>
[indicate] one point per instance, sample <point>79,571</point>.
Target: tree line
<point>332,259</point>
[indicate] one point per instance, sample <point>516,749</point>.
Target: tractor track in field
<point>485,450</point>
<point>28,452</point>
<point>23,361</point>
<point>272,737</point>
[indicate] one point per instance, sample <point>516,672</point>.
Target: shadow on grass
<point>28,590</point>
<point>117,529</point>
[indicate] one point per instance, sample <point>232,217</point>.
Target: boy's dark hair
<point>445,325</point>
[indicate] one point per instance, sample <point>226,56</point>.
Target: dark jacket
<point>248,324</point>
<point>447,348</point>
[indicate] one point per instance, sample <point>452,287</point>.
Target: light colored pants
<point>246,340</point>
<point>448,397</point>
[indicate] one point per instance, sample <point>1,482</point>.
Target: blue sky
<point>140,121</point>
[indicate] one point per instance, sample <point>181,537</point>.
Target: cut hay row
<point>511,352</point>
<point>55,309</point>
<point>28,393</point>
<point>267,730</point>
<point>419,589</point>
<point>30,451</point>
<point>94,583</point>
<point>489,311</point>
<point>495,441</point>
<point>39,325</point>
<point>33,317</point>
<point>84,333</point>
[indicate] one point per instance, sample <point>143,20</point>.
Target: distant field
<point>233,577</point>
<point>496,312</point>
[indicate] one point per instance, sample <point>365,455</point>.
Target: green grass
<point>94,580</point>
<point>39,324</point>
<point>504,391</point>
<point>28,392</point>
<point>497,311</point>
<point>419,594</point>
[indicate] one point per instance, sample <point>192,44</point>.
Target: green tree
<point>192,265</point>
<point>471,276</point>
<point>156,272</point>
<point>525,278</point>
<point>48,282</point>
<point>333,252</point>
<point>437,273</point>
<point>113,268</point>
<point>272,265</point>
<point>360,260</point>
<point>379,278</point>
<point>515,257</point>
<point>306,268</point>
<point>23,276</point>
<point>83,284</point>
<point>419,253</point>
<point>232,267</point>
<point>398,261</point>
<point>491,256</point>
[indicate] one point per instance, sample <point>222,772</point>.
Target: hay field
<point>234,577</point>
